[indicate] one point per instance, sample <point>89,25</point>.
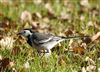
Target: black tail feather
<point>75,37</point>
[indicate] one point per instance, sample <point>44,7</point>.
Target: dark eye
<point>24,32</point>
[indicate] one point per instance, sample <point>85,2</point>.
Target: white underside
<point>48,46</point>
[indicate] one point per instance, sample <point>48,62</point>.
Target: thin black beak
<point>19,33</point>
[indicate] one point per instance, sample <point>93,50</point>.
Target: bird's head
<point>25,32</point>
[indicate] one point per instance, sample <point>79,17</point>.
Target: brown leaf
<point>95,11</point>
<point>5,22</point>
<point>79,50</point>
<point>1,14</point>
<point>20,40</point>
<point>36,16</point>
<point>35,25</point>
<point>87,40</point>
<point>1,37</point>
<point>62,60</point>
<point>23,70</point>
<point>51,15</point>
<point>68,32</point>
<point>4,64</point>
<point>15,51</point>
<point>50,11</point>
<point>73,44</point>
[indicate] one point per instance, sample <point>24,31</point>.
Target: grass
<point>71,62</point>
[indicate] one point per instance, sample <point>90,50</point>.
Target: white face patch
<point>26,33</point>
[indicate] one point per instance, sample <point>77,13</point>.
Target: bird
<point>43,41</point>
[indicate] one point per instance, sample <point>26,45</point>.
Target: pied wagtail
<point>42,41</point>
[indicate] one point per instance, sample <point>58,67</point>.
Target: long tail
<point>74,37</point>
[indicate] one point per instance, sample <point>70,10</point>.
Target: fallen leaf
<point>99,69</point>
<point>15,51</point>
<point>84,45</point>
<point>35,25</point>
<point>46,19</point>
<point>85,3</point>
<point>65,16</point>
<point>79,50</point>
<point>26,16</point>
<point>5,23</point>
<point>97,25</point>
<point>1,37</point>
<point>73,44</point>
<point>7,42</point>
<point>4,63</point>
<point>20,40</point>
<point>36,16</point>
<point>51,15</point>
<point>90,68</point>
<point>89,61</point>
<point>83,69</point>
<point>22,70</point>
<point>82,17</point>
<point>96,37</point>
<point>95,11</point>
<point>62,60</point>
<point>68,32</point>
<point>87,40</point>
<point>11,64</point>
<point>50,11</point>
<point>1,14</point>
<point>90,23</point>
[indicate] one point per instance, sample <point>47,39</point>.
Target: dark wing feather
<point>39,38</point>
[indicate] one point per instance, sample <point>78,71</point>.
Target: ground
<point>58,17</point>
